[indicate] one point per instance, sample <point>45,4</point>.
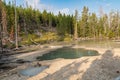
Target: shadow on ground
<point>65,72</point>
<point>106,68</point>
<point>9,62</point>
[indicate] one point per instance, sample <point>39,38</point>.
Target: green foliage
<point>45,27</point>
<point>67,38</point>
<point>47,38</point>
<point>85,22</point>
<point>65,24</point>
<point>27,40</point>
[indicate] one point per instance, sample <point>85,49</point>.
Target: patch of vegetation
<point>46,37</point>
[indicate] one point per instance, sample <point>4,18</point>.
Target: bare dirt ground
<point>106,66</point>
<point>103,67</point>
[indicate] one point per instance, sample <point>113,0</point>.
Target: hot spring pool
<point>32,71</point>
<point>68,53</point>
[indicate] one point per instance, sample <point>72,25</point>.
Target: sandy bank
<point>102,67</point>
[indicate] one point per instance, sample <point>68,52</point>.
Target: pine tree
<point>93,25</point>
<point>85,22</point>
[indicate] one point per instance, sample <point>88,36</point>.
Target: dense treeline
<point>104,26</point>
<point>32,21</point>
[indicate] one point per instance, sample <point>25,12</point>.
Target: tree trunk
<point>1,28</point>
<point>16,28</point>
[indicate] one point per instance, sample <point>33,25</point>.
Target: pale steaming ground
<point>102,67</point>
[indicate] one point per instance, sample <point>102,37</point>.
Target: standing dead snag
<point>0,27</point>
<point>16,28</point>
<point>75,25</point>
<point>3,26</point>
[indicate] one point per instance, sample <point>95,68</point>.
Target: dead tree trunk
<point>1,45</point>
<point>16,27</point>
<point>1,28</point>
<point>4,24</point>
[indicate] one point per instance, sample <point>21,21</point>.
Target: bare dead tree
<point>101,12</point>
<point>16,28</point>
<point>3,26</point>
<point>4,21</point>
<point>1,50</point>
<point>75,25</point>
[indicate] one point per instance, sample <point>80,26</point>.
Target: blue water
<point>68,53</point>
<point>32,71</point>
